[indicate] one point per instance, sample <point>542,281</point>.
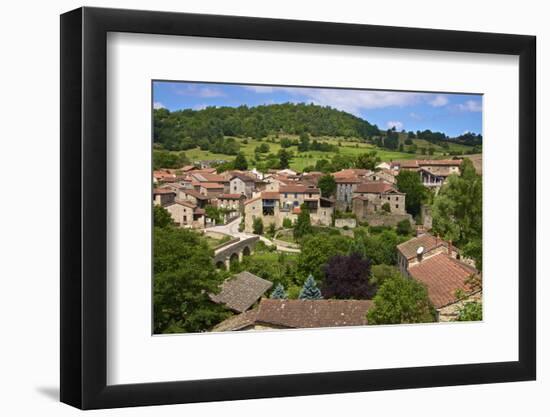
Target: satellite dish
<point>420,250</point>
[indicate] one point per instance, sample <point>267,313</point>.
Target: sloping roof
<point>187,168</point>
<point>428,242</point>
<point>301,314</point>
<point>163,191</point>
<point>230,196</point>
<point>237,322</point>
<point>241,291</point>
<point>270,195</point>
<point>243,177</point>
<point>185,204</point>
<point>348,180</point>
<point>213,185</point>
<point>313,313</point>
<point>442,275</point>
<point>207,177</point>
<point>375,187</point>
<point>298,188</point>
<point>440,162</point>
<point>351,172</point>
<point>194,193</point>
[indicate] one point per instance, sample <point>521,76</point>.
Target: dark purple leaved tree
<point>347,277</point>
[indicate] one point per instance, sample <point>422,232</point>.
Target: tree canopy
<point>401,300</point>
<point>327,185</point>
<point>347,277</point>
<point>409,182</point>
<point>183,277</point>
<point>310,291</point>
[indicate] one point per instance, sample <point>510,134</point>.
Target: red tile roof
<point>375,187</point>
<point>298,188</point>
<point>230,196</point>
<point>300,314</point>
<point>348,180</point>
<point>442,275</point>
<point>428,242</point>
<point>185,203</point>
<point>313,313</point>
<point>163,191</point>
<point>270,195</point>
<point>212,185</point>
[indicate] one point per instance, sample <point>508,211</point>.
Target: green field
<point>347,146</point>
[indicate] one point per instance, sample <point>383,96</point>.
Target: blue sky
<point>452,114</point>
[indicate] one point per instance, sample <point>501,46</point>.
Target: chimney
<point>419,253</point>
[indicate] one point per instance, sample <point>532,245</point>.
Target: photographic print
<point>290,207</point>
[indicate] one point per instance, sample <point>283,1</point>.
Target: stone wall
<point>450,312</point>
<point>387,219</point>
<point>340,223</point>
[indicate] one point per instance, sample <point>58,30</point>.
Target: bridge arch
<point>234,252</point>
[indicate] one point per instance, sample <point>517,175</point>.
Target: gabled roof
<point>231,196</point>
<point>301,314</point>
<point>375,187</point>
<point>427,241</point>
<point>348,180</point>
<point>185,203</point>
<point>241,291</point>
<point>211,185</point>
<point>298,188</point>
<point>194,193</point>
<point>163,191</point>
<point>443,275</point>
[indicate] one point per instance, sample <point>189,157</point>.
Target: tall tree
<point>182,283</point>
<point>316,250</point>
<point>408,182</point>
<point>368,160</point>
<point>327,185</point>
<point>348,277</point>
<point>240,162</point>
<point>310,291</point>
<point>401,300</point>
<point>303,223</point>
<point>284,158</point>
<point>457,208</point>
<point>161,217</point>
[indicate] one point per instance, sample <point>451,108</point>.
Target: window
<point>396,198</point>
<point>286,195</point>
<point>184,218</point>
<point>389,198</point>
<point>295,195</point>
<point>296,204</point>
<point>397,206</point>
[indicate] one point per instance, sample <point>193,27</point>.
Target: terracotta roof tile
<point>163,191</point>
<point>442,275</point>
<point>298,188</point>
<point>230,196</point>
<point>428,242</point>
<point>376,187</point>
<point>313,313</point>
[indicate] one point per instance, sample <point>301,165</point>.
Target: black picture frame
<point>84,207</point>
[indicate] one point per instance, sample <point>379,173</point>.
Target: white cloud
<point>397,124</point>
<point>259,88</point>
<point>470,105</point>
<point>438,101</point>
<point>158,105</point>
<point>353,101</point>
<point>195,91</point>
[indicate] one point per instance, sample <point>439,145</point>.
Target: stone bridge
<point>233,252</point>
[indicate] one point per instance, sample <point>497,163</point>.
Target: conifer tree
<point>278,293</point>
<point>310,291</point>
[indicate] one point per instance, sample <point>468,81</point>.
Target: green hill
<point>186,129</point>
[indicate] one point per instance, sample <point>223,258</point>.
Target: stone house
<point>344,192</point>
<point>240,183</point>
<point>195,197</point>
<point>420,248</point>
<point>233,202</point>
<point>186,214</point>
<point>210,189</point>
<point>275,206</point>
<point>163,196</point>
<point>370,197</point>
<point>382,175</point>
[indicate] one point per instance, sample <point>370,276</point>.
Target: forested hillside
<point>186,129</point>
